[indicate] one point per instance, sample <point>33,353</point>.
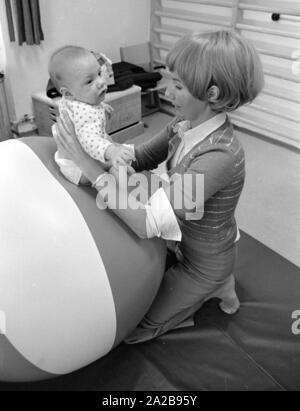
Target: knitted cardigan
<point>220,158</point>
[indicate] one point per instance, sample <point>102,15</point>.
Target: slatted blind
<point>276,111</point>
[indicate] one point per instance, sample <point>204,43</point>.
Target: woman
<point>210,75</point>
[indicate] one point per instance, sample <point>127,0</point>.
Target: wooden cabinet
<point>125,122</point>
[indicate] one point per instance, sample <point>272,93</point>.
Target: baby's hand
<point>108,109</point>
<point>119,155</point>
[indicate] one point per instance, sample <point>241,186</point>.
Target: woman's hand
<point>115,171</point>
<point>66,139</point>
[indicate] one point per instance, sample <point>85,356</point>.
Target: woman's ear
<point>213,94</point>
<point>65,92</point>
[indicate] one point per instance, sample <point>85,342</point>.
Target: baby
<point>76,73</point>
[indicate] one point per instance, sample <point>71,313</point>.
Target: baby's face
<point>85,82</point>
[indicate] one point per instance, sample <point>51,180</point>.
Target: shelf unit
<point>276,112</point>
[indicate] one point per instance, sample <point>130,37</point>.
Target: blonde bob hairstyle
<point>223,59</point>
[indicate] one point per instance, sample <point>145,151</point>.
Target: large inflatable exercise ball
<point>74,280</point>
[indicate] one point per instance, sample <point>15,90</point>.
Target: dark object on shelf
<point>275,16</point>
<point>125,71</point>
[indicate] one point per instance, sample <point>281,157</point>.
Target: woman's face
<point>185,104</point>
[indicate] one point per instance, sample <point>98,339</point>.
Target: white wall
<point>100,25</point>
<point>2,51</point>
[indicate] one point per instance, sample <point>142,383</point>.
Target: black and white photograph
<point>150,199</point>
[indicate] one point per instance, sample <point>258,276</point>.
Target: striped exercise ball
<point>74,280</point>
